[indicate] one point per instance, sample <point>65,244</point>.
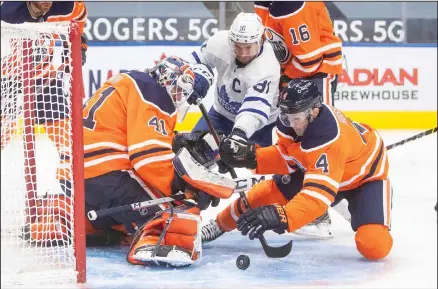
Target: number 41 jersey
<point>129,124</point>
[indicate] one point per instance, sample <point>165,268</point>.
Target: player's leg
<point>170,239</point>
<point>268,192</point>
<point>370,206</point>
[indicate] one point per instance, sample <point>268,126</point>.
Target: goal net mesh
<point>37,189</point>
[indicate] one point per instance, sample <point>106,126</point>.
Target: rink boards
<point>388,86</point>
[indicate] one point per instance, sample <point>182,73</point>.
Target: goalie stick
<point>272,252</point>
<point>93,215</point>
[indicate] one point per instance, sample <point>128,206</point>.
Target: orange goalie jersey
<point>301,34</point>
<point>129,124</point>
<point>335,154</point>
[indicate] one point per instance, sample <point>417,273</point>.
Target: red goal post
<point>42,154</point>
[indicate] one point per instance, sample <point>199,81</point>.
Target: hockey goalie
<point>132,155</point>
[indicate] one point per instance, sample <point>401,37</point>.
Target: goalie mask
<point>176,76</point>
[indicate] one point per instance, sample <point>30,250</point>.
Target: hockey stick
<point>414,137</point>
<point>271,252</point>
<point>93,215</point>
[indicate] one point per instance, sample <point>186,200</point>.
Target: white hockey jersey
<point>242,91</point>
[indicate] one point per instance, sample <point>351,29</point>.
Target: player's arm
<point>302,32</point>
<point>70,11</point>
<point>149,135</point>
<point>267,160</point>
<point>320,186</point>
<point>7,11</point>
<point>208,52</point>
<point>256,107</point>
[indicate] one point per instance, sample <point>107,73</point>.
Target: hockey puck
<point>242,262</point>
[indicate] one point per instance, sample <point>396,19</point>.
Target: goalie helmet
<point>176,76</point>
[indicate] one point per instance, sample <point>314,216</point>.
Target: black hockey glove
<point>203,152</point>
<point>237,151</point>
<point>202,199</point>
<point>84,47</point>
<point>205,200</point>
<point>258,220</point>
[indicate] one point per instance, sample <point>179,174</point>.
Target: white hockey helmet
<point>245,36</point>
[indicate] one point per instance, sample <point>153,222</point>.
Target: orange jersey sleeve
<point>302,36</point>
<point>336,154</point>
<point>73,11</point>
<point>129,124</point>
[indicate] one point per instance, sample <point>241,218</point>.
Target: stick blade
<point>276,252</point>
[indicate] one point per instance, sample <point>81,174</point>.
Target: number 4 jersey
<point>129,123</point>
<point>334,153</point>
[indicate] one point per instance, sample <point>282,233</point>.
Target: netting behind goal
<point>42,198</point>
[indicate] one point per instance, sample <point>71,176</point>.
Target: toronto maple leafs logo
<point>224,100</point>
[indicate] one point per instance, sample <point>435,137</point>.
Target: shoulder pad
<point>265,4</point>
<point>283,8</point>
<point>61,8</point>
<point>321,131</point>
<point>151,91</point>
<point>14,12</point>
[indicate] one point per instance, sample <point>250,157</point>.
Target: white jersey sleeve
<point>245,94</point>
<point>261,99</point>
<point>207,53</point>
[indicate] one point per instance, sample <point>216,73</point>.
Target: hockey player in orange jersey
<point>129,156</point>
<point>330,159</point>
<point>302,36</point>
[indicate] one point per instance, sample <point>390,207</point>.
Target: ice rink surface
<point>331,263</point>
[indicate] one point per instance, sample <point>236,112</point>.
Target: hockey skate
<point>320,228</point>
<point>211,232</point>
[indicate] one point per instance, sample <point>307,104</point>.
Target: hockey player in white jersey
<point>247,83</point>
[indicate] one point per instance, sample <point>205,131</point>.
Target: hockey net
<point>42,197</point>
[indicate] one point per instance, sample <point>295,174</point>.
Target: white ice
<point>334,263</point>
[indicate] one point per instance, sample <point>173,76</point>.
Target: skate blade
<point>314,233</point>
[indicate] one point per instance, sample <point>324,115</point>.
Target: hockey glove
<point>205,200</point>
<point>256,221</point>
<point>203,80</point>
<point>84,47</point>
<point>200,145</point>
<point>236,151</point>
<point>202,199</point>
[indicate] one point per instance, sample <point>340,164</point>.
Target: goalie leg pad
<point>49,226</point>
<point>169,240</point>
